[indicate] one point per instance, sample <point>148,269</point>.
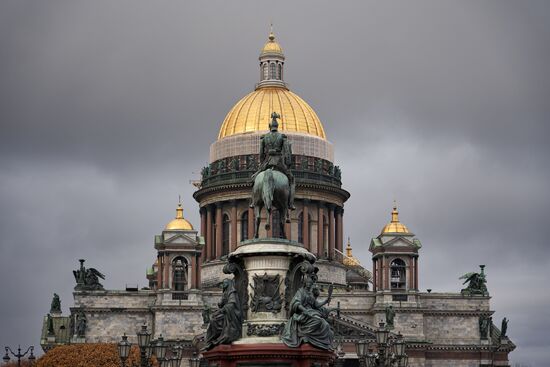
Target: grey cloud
<point>107,110</point>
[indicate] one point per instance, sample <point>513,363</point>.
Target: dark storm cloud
<point>107,110</point>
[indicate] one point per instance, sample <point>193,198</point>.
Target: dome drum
<point>249,143</point>
<point>239,169</point>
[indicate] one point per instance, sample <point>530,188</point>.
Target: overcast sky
<point>107,110</point>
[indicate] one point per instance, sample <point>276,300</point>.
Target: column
<point>198,270</point>
<point>234,219</point>
<point>166,270</point>
<point>159,271</point>
<point>331,236</point>
<point>251,223</point>
<point>339,229</point>
<point>305,226</point>
<point>218,230</point>
<point>194,272</point>
<point>386,274</point>
<point>320,232</point>
<point>374,275</point>
<point>203,233</point>
<point>416,273</point>
<point>209,246</point>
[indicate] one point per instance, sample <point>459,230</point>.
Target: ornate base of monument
<point>268,355</point>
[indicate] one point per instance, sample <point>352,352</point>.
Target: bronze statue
<point>390,315</point>
<point>477,283</point>
<point>484,326</point>
<point>50,325</point>
<point>56,304</point>
<point>273,182</point>
<point>504,328</point>
<point>87,279</point>
<point>81,322</point>
<point>225,323</point>
<point>308,318</point>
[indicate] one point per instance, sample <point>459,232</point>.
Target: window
<point>325,236</point>
<point>244,226</point>
<point>271,71</point>
<point>264,68</point>
<point>280,72</point>
<point>225,235</point>
<point>398,274</point>
<point>179,277</point>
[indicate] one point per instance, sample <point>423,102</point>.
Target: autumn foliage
<point>87,355</point>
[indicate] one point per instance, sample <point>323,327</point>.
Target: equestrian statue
<point>274,185</point>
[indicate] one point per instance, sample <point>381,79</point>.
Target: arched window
<point>272,71</point>
<point>398,271</point>
<point>264,71</point>
<point>280,72</point>
<point>244,226</point>
<point>225,235</point>
<point>276,224</point>
<point>179,277</point>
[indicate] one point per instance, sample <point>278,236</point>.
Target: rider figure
<point>276,153</point>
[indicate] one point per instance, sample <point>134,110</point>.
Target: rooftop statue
<point>308,318</point>
<point>56,304</point>
<point>390,315</point>
<point>87,279</point>
<point>226,322</point>
<point>477,283</point>
<point>504,328</point>
<point>273,182</point>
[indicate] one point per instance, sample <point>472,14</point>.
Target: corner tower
<point>395,260</point>
<point>225,186</point>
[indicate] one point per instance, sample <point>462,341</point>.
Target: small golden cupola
<point>395,226</point>
<point>349,259</point>
<point>179,223</point>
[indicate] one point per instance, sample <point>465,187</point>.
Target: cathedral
<point>440,329</point>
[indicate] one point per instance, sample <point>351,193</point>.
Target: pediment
<point>179,239</point>
<point>400,242</point>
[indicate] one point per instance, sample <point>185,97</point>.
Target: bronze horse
<point>271,189</point>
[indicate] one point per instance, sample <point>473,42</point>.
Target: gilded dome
<point>395,226</point>
<point>252,113</point>
<point>271,46</point>
<point>179,223</point>
<point>349,259</point>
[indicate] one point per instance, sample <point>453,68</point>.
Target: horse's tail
<point>267,188</point>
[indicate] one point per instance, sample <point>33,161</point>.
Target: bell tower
<point>395,260</point>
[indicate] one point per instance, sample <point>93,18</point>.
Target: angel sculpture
<point>476,283</point>
<point>87,279</point>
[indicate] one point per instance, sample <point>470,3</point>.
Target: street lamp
<point>144,338</point>
<point>194,361</point>
<point>19,355</point>
<point>124,349</point>
<point>391,351</point>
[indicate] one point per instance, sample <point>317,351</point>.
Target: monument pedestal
<point>268,355</point>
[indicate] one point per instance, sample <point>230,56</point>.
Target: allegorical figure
<point>390,315</point>
<point>307,322</point>
<point>81,322</point>
<point>226,322</point>
<point>56,304</point>
<point>504,328</point>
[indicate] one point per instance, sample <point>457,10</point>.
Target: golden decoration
<point>179,223</point>
<point>252,114</point>
<point>395,226</point>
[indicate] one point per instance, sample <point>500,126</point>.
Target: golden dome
<point>349,259</point>
<point>179,223</point>
<point>395,226</point>
<point>271,46</point>
<point>252,113</point>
